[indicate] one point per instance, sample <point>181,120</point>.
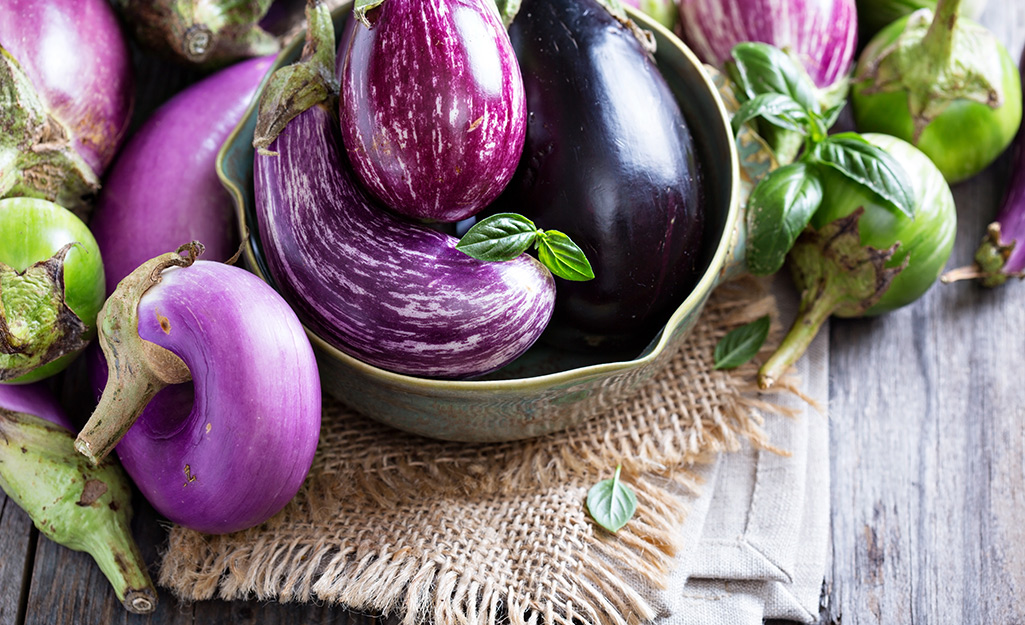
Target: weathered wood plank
<point>16,538</point>
<point>927,439</point>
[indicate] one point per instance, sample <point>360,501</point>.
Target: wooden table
<point>927,440</point>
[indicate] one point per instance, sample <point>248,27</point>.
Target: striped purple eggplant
<point>234,451</point>
<point>822,34</point>
<point>432,105</point>
<point>163,188</point>
<point>390,292</point>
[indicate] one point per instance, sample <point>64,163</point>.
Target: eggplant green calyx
<point>300,86</point>
<point>504,236</point>
<point>207,34</point>
<point>36,324</point>
<point>37,158</point>
<point>834,273</point>
<point>137,369</point>
<point>938,59</point>
<point>990,260</point>
<point>787,198</point>
<point>82,507</point>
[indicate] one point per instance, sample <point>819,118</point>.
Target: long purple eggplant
<point>74,56</point>
<point>822,34</point>
<point>387,291</point>
<point>236,453</point>
<point>432,106</point>
<point>163,189</point>
<point>610,161</point>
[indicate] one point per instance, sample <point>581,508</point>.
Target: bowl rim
<point>708,281</point>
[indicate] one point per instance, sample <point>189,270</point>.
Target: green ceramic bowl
<point>544,390</point>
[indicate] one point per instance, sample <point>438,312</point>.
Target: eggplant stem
<point>136,369</point>
<point>938,41</point>
<point>816,308</point>
<point>120,560</point>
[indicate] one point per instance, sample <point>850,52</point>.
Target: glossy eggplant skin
<point>608,160</point>
<point>432,106</point>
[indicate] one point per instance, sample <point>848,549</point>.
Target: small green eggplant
<point>51,288</point>
<point>73,503</point>
<point>858,257</point>
<point>943,83</point>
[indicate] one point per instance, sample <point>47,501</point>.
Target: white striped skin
<point>390,292</point>
<point>432,106</point>
<point>823,33</point>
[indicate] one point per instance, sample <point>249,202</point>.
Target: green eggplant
<point>874,15</point>
<point>51,288</point>
<point>73,503</point>
<point>944,83</point>
<point>858,257</point>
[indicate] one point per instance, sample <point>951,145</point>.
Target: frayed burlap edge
<point>601,581</point>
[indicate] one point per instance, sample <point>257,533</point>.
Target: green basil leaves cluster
<point>504,236</point>
<point>773,88</point>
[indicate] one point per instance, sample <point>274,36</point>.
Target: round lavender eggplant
<point>432,105</point>
<point>392,293</point>
<point>163,188</point>
<point>235,454</point>
<point>610,161</point>
<point>70,91</point>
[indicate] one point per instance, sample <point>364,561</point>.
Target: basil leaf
<point>742,344</point>
<point>611,503</point>
<point>780,110</point>
<point>759,68</point>
<point>869,167</point>
<point>778,210</point>
<point>562,256</point>
<point>502,236</point>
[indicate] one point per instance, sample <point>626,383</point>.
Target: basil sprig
<point>771,87</point>
<point>504,236</point>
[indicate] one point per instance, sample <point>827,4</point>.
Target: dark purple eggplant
<point>432,111</point>
<point>390,292</point>
<point>610,161</point>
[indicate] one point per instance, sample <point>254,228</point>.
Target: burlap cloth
<point>392,523</point>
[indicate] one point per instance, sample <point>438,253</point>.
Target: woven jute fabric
<point>444,532</point>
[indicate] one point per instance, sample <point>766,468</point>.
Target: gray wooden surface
<point>927,438</point>
<point>927,446</point>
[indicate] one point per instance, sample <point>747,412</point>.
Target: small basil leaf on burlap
<point>759,68</point>
<point>779,110</point>
<point>778,210</point>
<point>869,167</point>
<point>611,503</point>
<point>502,236</point>
<point>562,256</point>
<point>741,344</point>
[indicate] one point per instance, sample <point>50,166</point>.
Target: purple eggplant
<point>239,451</point>
<point>163,189</point>
<point>822,34</point>
<point>432,105</point>
<point>34,399</point>
<point>74,91</point>
<point>610,161</point>
<point>392,293</point>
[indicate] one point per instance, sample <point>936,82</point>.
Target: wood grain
<point>16,539</point>
<point>927,438</point>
